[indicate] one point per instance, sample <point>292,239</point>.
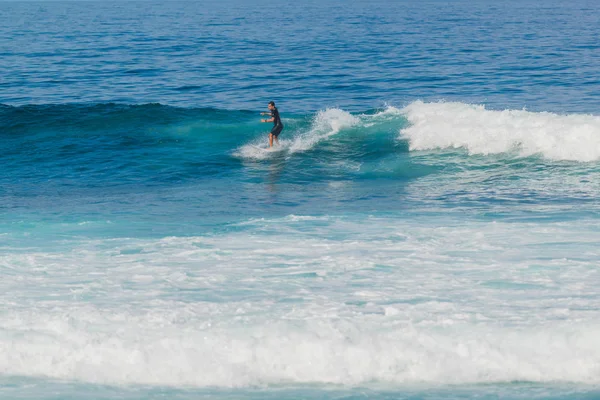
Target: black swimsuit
<point>277,125</point>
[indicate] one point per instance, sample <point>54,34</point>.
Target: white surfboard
<point>268,149</point>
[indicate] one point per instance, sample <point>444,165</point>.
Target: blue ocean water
<point>427,228</point>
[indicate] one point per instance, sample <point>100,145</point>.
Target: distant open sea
<point>429,227</point>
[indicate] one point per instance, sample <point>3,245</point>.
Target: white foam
<point>389,112</point>
<point>456,125</point>
<point>259,150</point>
<point>325,124</point>
<point>179,349</point>
<point>304,299</point>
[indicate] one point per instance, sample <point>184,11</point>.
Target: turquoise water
<point>428,227</point>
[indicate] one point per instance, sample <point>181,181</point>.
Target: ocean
<point>429,227</point>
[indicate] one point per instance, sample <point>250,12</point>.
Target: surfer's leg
<point>270,140</point>
<point>275,133</point>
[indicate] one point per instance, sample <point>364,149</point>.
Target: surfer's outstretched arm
<point>267,120</point>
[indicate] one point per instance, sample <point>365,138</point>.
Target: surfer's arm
<point>267,120</point>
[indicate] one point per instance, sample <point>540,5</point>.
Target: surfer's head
<point>271,105</point>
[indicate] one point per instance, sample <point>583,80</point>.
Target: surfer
<point>276,120</point>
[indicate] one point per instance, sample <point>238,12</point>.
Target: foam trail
<point>572,137</point>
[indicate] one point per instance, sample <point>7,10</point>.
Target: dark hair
<point>272,103</point>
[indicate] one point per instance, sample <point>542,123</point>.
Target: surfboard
<point>267,149</point>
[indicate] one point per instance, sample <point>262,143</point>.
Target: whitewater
<point>396,302</point>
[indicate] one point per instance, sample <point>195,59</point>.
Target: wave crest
<point>574,137</point>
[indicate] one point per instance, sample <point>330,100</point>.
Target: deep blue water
<point>309,55</point>
<point>427,228</point>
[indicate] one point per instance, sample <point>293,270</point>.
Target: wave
<point>422,126</point>
<point>115,144</point>
<point>178,348</point>
<point>573,137</point>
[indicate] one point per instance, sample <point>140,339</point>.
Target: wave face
<point>93,152</point>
